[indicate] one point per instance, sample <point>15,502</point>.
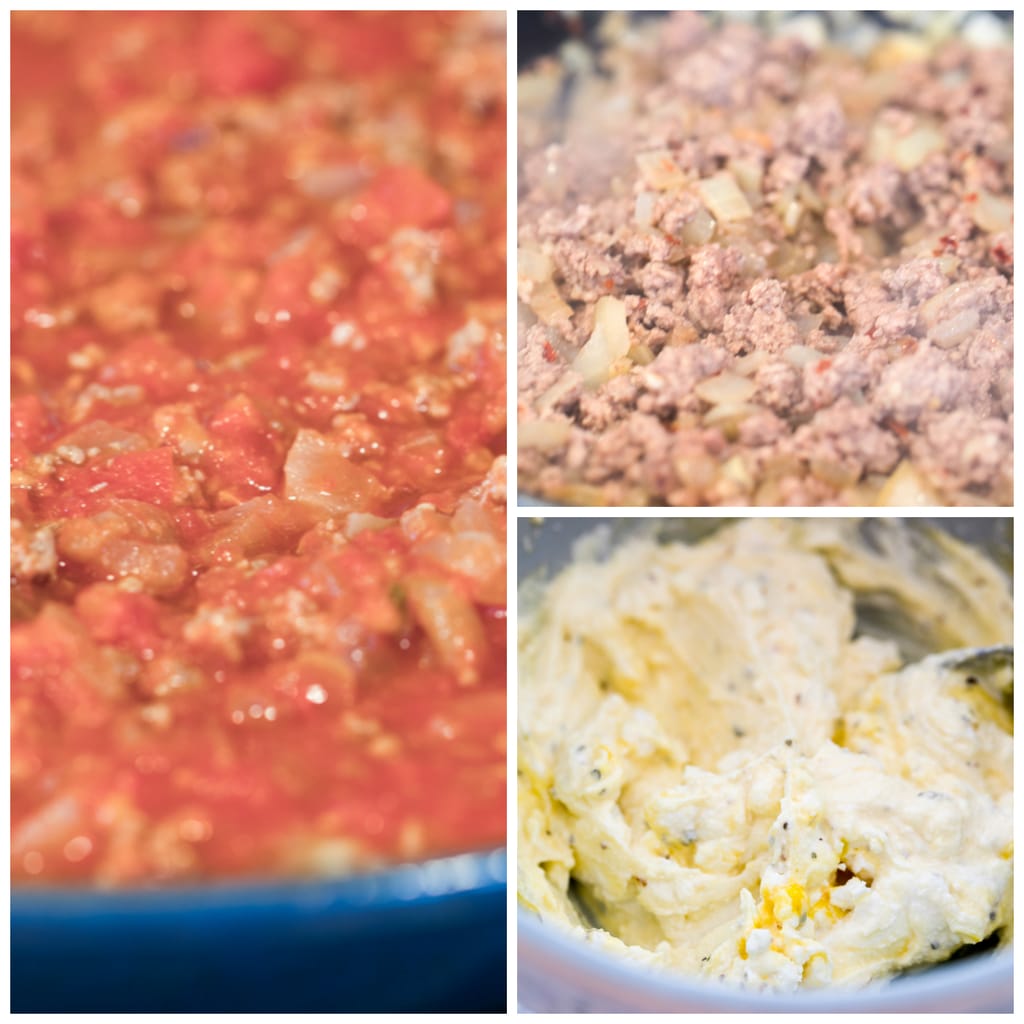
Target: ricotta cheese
<point>722,774</point>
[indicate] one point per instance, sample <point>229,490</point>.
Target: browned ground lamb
<point>756,270</point>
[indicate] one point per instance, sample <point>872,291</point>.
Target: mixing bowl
<point>559,973</point>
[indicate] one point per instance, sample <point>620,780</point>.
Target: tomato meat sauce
<point>257,442</point>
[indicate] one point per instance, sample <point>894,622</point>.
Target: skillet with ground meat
<point>761,267</point>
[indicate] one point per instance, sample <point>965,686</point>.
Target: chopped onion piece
<point>608,343</point>
<point>897,48</point>
<point>357,522</point>
<point>660,172</point>
<point>906,487</point>
<point>749,364</point>
<point>728,416</point>
<point>699,229</point>
<point>992,213</point>
<point>318,473</point>
<point>451,623</point>
<point>725,388</point>
<point>478,556</point>
<point>905,151</point>
<point>809,322</point>
<point>933,311</point>
<point>723,198</point>
<point>784,198</point>
<point>834,472</point>
<point>534,265</point>
<point>643,211</point>
<point>956,329</point>
<point>546,435</point>
<point>253,527</point>
<point>791,217</point>
<point>563,388</point>
<point>810,198</point>
<point>696,470</point>
<point>549,306</point>
<point>801,355</point>
<point>749,175</point>
<point>735,470</point>
<point>641,355</point>
<point>537,288</point>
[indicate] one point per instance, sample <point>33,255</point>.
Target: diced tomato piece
<point>102,223</point>
<point>301,285</point>
<point>154,364</point>
<point>53,656</point>
<point>235,60</point>
<point>368,43</point>
<point>466,428</point>
<point>119,617</point>
<point>147,476</point>
<point>246,459</point>
<point>238,418</point>
<point>192,525</point>
<point>143,476</point>
<point>48,349</point>
<point>399,197</point>
<point>29,421</point>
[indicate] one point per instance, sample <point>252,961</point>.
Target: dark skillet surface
<point>542,32</point>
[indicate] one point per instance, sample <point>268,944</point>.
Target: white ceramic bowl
<point>559,973</point>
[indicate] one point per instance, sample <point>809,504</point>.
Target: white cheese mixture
<point>717,777</point>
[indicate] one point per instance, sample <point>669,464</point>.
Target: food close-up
<point>258,483</point>
<point>765,760</point>
<point>766,260</point>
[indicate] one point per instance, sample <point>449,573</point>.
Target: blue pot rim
<point>480,873</point>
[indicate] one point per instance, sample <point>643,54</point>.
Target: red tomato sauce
<point>257,442</point>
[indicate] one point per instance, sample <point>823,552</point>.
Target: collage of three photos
<point>327,324</point>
